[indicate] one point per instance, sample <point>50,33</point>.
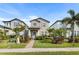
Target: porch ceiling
<point>34,29</point>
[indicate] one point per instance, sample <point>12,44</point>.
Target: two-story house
<point>58,24</point>
<point>13,24</point>
<point>39,27</point>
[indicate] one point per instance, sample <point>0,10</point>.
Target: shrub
<point>12,40</point>
<point>24,40</point>
<point>46,40</point>
<point>39,38</point>
<point>76,40</point>
<point>58,40</point>
<point>70,40</point>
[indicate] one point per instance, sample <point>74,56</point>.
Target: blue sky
<point>28,11</point>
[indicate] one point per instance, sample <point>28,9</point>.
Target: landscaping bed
<point>49,44</point>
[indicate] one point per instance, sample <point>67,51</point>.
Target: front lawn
<point>42,53</point>
<point>42,44</point>
<point>14,45</point>
<point>6,44</point>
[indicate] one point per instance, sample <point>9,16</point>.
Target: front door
<point>33,35</point>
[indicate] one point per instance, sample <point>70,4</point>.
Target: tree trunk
<point>72,32</point>
<point>18,40</point>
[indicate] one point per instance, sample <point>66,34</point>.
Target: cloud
<point>32,17</point>
<point>3,19</point>
<point>11,11</point>
<point>26,20</point>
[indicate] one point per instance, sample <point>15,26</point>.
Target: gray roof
<point>55,22</point>
<point>37,19</point>
<point>16,20</point>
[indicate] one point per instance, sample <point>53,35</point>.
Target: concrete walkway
<point>30,44</point>
<point>39,49</point>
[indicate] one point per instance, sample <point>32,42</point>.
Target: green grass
<point>42,53</point>
<point>3,44</point>
<point>22,45</point>
<point>6,44</point>
<point>40,44</point>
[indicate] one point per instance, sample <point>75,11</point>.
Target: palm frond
<point>77,23</point>
<point>77,16</point>
<point>71,12</point>
<point>66,20</point>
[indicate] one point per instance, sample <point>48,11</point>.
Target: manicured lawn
<point>22,45</point>
<point>42,53</point>
<point>6,44</point>
<point>41,44</point>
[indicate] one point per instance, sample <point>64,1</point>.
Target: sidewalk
<point>39,49</point>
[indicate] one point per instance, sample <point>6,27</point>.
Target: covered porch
<point>34,32</point>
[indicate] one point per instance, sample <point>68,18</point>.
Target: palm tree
<point>72,20</point>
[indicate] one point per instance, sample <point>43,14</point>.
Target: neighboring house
<point>13,24</point>
<point>3,27</point>
<point>58,25</point>
<point>39,27</point>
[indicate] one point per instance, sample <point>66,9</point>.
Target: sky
<point>29,11</point>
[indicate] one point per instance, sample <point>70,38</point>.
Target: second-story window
<point>44,25</point>
<point>7,24</point>
<point>34,24</point>
<point>16,24</point>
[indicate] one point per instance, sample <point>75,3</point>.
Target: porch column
<point>29,33</point>
<point>38,34</point>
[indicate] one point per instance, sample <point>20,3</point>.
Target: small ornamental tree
<point>17,31</point>
<point>50,30</point>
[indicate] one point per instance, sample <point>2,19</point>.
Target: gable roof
<point>16,20</point>
<point>37,19</point>
<point>55,23</point>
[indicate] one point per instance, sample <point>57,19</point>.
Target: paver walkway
<point>30,44</point>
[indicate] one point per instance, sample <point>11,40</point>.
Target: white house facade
<point>13,24</point>
<point>38,27</point>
